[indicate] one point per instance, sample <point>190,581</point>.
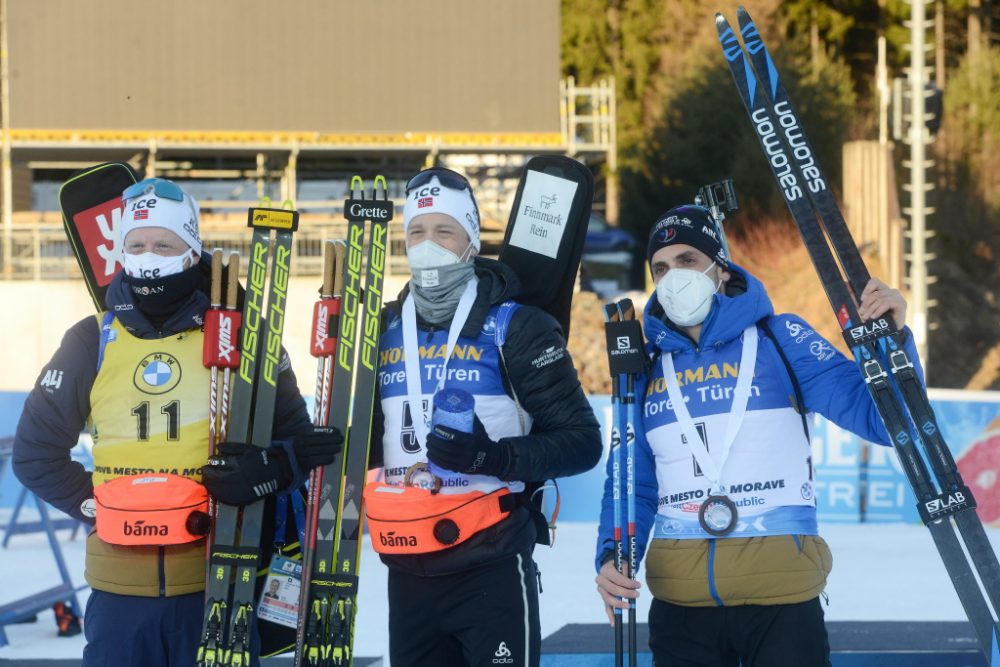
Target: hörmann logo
<point>349,306</point>
<point>254,301</point>
<point>800,148</point>
<point>373,296</point>
<point>276,315</point>
<point>775,155</point>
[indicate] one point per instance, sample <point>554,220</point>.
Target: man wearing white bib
<point>454,518</point>
<point>724,477</point>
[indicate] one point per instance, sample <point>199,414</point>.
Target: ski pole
<point>230,332</point>
<point>326,317</point>
<point>211,343</point>
<point>612,315</point>
<point>626,313</point>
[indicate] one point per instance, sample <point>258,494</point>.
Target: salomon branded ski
<point>329,603</point>
<point>235,551</point>
<point>877,346</point>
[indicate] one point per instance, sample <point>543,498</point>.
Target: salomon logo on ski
<point>948,504</point>
<point>869,331</point>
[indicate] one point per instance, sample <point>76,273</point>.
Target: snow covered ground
<point>881,572</point>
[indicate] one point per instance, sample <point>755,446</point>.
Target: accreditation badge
<point>279,602</point>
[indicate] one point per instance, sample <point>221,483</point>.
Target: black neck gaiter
<point>159,298</point>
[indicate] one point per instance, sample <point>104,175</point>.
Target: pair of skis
<point>235,548</point>
<point>947,507</point>
<point>626,361</point>
<point>332,550</point>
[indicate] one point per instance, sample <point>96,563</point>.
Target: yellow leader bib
<point>149,406</point>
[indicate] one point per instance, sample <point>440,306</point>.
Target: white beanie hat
<point>155,207</point>
<point>433,197</point>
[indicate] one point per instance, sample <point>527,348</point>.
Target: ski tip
<point>743,16</point>
<point>723,27</point>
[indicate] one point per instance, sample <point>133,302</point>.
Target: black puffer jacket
<point>565,437</point>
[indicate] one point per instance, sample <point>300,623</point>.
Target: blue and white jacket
<point>768,474</point>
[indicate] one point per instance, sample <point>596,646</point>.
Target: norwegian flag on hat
<point>141,214</point>
<point>424,202</point>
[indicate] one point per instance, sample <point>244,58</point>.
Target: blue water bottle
<point>454,408</point>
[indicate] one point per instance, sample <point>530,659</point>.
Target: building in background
<point>240,99</point>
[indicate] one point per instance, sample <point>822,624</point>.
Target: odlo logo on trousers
<point>502,655</point>
<point>391,539</point>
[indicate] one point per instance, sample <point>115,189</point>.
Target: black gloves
<point>318,448</point>
<point>240,474</point>
<point>470,453</point>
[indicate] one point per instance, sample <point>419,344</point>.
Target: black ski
<point>786,150</point>
<point>329,603</point>
<point>956,496</point>
<point>229,605</point>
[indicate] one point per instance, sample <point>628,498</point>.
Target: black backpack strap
<point>799,402</point>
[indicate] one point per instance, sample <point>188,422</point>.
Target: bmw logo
<point>157,373</point>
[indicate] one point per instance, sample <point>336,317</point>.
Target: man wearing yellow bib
<point>133,376</point>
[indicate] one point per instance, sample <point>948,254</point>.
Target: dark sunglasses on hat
<point>446,177</point>
<point>159,186</point>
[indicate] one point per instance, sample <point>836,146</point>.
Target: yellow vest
<point>148,413</point>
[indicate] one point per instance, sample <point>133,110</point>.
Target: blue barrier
<point>966,419</point>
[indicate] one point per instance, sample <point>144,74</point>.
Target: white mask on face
<point>686,295</point>
<point>429,255</point>
<point>151,265</point>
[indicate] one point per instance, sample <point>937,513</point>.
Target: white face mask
<point>686,295</point>
<point>151,265</point>
<point>429,255</point>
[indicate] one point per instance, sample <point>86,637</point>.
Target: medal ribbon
<point>741,396</point>
<point>420,417</point>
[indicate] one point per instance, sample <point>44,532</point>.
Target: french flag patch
<point>424,202</point>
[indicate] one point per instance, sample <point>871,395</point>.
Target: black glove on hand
<point>470,453</point>
<point>241,474</point>
<point>318,448</point>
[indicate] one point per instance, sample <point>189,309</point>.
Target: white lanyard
<point>748,361</point>
<point>420,417</point>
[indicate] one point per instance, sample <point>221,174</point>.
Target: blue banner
<point>970,422</point>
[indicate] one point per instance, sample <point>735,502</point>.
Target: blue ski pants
<point>131,631</point>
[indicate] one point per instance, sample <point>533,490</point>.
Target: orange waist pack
<point>413,520</point>
<point>152,510</point>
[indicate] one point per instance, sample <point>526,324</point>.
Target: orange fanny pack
<point>412,520</point>
<point>152,510</point>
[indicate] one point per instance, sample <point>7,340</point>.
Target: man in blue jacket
<point>724,475</point>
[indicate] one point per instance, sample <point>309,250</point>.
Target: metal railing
<point>43,252</point>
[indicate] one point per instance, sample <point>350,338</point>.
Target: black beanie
<point>690,225</point>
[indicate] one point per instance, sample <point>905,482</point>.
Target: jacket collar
<point>744,303</point>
